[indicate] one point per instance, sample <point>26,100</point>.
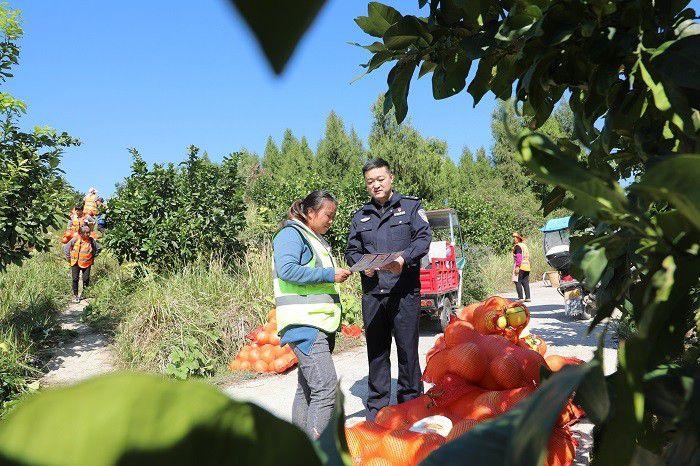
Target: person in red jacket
<point>80,253</point>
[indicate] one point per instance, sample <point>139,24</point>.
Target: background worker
<point>90,202</point>
<point>79,218</point>
<point>308,305</point>
<point>521,266</point>
<point>390,222</point>
<point>80,253</point>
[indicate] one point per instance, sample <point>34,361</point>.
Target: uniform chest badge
<point>365,219</point>
<point>400,212</point>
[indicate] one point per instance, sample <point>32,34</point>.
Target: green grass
<point>30,296</point>
<point>488,273</point>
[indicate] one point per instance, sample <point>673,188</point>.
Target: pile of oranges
<point>264,353</point>
<point>479,370</point>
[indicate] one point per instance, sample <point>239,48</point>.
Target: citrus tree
<point>32,190</point>
<point>170,215</point>
<point>629,71</point>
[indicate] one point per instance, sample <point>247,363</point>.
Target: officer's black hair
<point>79,207</point>
<point>371,164</point>
<point>314,201</point>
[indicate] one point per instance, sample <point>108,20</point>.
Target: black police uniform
<point>391,303</point>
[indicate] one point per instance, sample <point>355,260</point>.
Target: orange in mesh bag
<point>460,332</point>
<point>448,390</point>
<point>463,408</point>
<point>438,346</point>
<point>436,367</point>
<point>570,414</point>
<point>561,448</point>
<point>466,360</point>
<point>507,371</point>
<point>461,428</point>
<point>404,415</point>
<point>404,447</point>
<point>557,363</point>
<point>364,439</point>
<point>467,312</point>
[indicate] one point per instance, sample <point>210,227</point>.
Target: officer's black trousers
<point>384,315</point>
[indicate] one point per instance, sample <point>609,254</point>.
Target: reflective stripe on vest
<point>315,305</point>
<point>82,253</point>
<point>525,264</point>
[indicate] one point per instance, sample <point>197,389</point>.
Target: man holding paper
<point>394,229</point>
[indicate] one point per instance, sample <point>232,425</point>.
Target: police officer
<point>390,222</point>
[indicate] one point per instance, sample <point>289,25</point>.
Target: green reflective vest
<point>315,305</point>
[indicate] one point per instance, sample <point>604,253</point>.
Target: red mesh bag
<point>509,398</point>
<point>404,415</point>
<point>507,371</point>
<point>402,447</point>
<point>486,405</point>
<point>438,346</point>
<point>467,361</point>
<point>494,346</point>
<point>467,312</point>
<point>463,407</point>
<point>485,320</point>
<point>570,415</point>
<point>448,390</point>
<point>431,442</point>
<point>556,362</point>
<point>436,367</point>
<point>253,335</point>
<point>461,428</point>
<point>377,461</point>
<point>561,448</point>
<point>460,332</point>
<point>364,439</point>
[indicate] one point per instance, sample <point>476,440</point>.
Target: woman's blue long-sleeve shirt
<point>291,254</point>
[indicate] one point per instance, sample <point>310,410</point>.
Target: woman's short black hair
<point>371,164</point>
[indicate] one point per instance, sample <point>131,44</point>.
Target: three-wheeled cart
<point>441,268</point>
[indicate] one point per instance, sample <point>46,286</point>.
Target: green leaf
<point>593,264</point>
<point>680,62</point>
<point>426,67</point>
<point>657,88</point>
<point>592,393</point>
<point>131,419</point>
<point>595,196</point>
<point>379,18</point>
<point>399,80</point>
<point>278,26</point>
<point>480,83</point>
<point>449,78</point>
<point>332,445</point>
<point>676,181</point>
<point>407,31</point>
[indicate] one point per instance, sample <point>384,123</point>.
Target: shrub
<point>170,216</point>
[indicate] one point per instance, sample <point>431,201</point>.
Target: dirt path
<point>563,336</point>
<point>84,355</point>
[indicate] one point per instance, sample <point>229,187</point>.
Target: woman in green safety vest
<point>308,305</point>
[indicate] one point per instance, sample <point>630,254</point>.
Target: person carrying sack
<point>80,252</point>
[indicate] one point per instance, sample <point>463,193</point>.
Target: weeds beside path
<point>84,354</point>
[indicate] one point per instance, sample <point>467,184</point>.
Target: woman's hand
<point>341,275</point>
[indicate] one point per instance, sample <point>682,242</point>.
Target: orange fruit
<point>245,365</point>
<point>508,372</point>
<point>244,353</point>
<point>260,366</point>
<point>459,332</point>
<point>436,367</point>
<point>234,365</point>
<point>253,355</point>
<point>460,428</point>
<point>467,361</point>
<point>267,353</point>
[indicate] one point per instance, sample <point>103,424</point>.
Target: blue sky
<point>161,75</point>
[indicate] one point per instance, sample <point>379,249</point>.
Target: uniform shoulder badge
<point>413,198</point>
<point>422,214</point>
